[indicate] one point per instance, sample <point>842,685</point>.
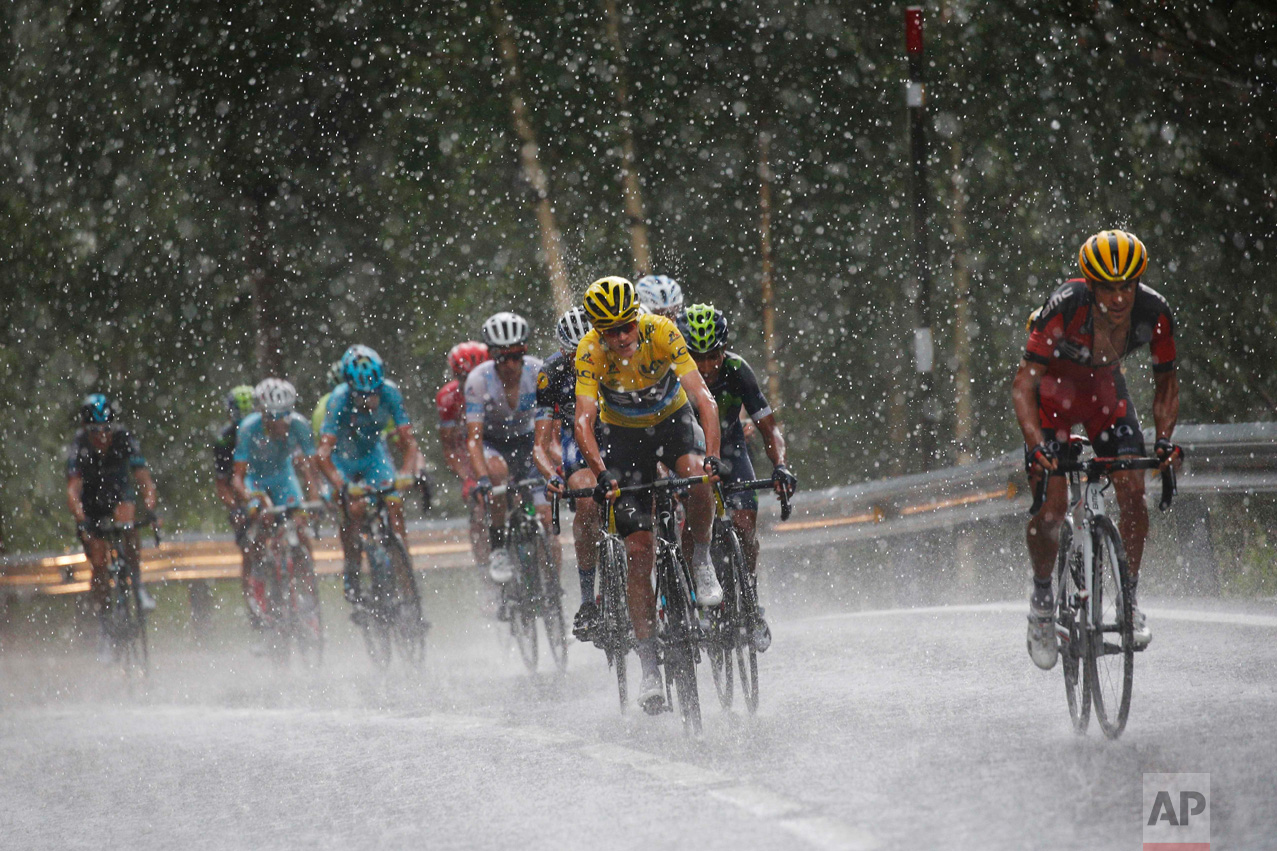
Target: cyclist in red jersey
<point>451,404</point>
<point>1072,374</point>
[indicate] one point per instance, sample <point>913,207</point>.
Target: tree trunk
<point>632,191</point>
<point>963,411</point>
<point>266,309</point>
<point>551,240</point>
<point>767,284</point>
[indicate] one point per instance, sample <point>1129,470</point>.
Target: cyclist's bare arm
<point>587,414</point>
<point>706,409</point>
<point>324,458</point>
<point>412,460</point>
<point>237,480</point>
<point>146,487</point>
<point>75,490</point>
<point>310,473</point>
<point>452,439</point>
<point>474,446</point>
<point>1165,403</point>
<point>1024,395</point>
<point>542,453</point>
<point>226,493</point>
<point>773,440</point>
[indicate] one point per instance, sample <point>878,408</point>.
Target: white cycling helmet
<point>275,396</point>
<point>572,326</point>
<point>659,294</point>
<point>505,329</point>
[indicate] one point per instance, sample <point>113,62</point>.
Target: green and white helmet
<point>704,327</point>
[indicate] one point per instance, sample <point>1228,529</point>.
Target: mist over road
<point>883,728</point>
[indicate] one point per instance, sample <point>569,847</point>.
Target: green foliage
<point>157,160</point>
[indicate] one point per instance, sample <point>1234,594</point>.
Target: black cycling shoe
<point>359,613</point>
<point>586,619</point>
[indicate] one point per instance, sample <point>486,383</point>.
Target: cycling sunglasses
<point>618,330</point>
<point>710,355</point>
<point>509,355</point>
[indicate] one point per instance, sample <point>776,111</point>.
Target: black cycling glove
<point>1167,451</point>
<point>785,480</point>
<point>713,465</point>
<point>603,490</point>
<point>1042,456</point>
<point>482,487</point>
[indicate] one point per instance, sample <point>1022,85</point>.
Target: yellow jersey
<point>643,390</point>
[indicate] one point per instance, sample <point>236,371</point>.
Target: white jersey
<point>486,401</point>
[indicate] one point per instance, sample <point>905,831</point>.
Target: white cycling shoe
<point>708,592</point>
<point>1139,627</point>
<point>1044,647</point>
<point>500,568</point>
<point>148,602</point>
<point>651,694</point>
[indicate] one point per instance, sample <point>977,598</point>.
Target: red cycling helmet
<point>464,357</point>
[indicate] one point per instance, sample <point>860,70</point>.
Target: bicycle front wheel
<point>614,615</point>
<point>724,619</point>
<point>377,618</point>
<point>1070,621</point>
<point>407,623</point>
<point>1110,653</point>
<point>306,621</point>
<point>523,592</point>
<point>747,619</point>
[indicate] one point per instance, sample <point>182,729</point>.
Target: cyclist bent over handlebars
<point>635,379</point>
<point>1071,375</point>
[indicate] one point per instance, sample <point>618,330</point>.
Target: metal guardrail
<point>1220,458</point>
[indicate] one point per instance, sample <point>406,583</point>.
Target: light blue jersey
<point>358,431</point>
<point>270,459</point>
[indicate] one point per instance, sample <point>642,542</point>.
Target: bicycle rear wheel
<point>408,624</point>
<point>550,602</point>
<point>1070,619</point>
<point>614,616</point>
<point>1111,647</point>
<point>673,586</point>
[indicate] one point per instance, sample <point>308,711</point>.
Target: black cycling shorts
<point>632,454</point>
<point>738,467</point>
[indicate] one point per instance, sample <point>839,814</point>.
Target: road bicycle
<point>534,593</point>
<point>1093,618</point>
<point>282,589</point>
<point>389,612</point>
<point>122,615</point>
<point>729,641</point>
<point>679,631</point>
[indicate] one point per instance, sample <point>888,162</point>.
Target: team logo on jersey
<point>543,381</point>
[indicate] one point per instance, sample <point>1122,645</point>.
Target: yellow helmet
<point>1113,255</point>
<point>610,302</point>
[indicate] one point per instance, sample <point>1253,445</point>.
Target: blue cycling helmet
<point>97,409</point>
<point>363,369</point>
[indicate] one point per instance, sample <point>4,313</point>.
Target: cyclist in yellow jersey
<point>636,387</point>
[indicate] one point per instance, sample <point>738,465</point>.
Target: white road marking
<point>1191,615</point>
<point>819,831</point>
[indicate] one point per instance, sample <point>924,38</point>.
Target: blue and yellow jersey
<point>644,390</point>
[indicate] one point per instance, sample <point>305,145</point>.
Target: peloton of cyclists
<point>734,385</point>
<point>636,382</point>
<point>105,474</point>
<point>559,458</point>
<point>352,450</point>
<point>501,400</point>
<point>239,404</point>
<point>450,402</point>
<point>1071,374</point>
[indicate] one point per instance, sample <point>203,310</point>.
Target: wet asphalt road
<point>903,729</point>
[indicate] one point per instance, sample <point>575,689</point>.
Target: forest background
<point>196,194</point>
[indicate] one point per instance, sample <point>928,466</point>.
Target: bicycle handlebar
<point>1105,467</point>
<point>758,485</point>
<point>308,505</point>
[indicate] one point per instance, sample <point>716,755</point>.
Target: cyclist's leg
<point>95,550</point>
<point>739,467</point>
<point>585,530</point>
<point>523,466</point>
<point>130,549</point>
<point>1124,438</point>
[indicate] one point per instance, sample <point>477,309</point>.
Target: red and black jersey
<point>450,401</point>
<point>1064,329</point>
